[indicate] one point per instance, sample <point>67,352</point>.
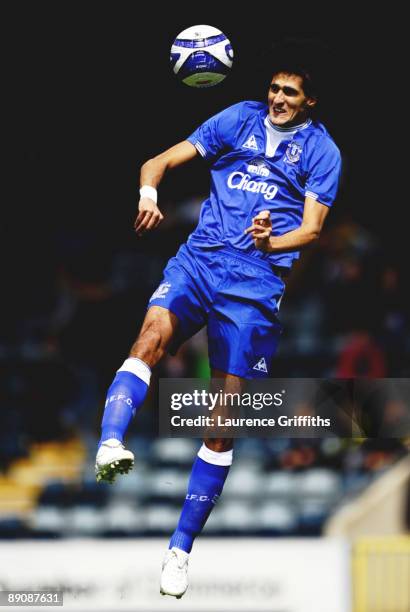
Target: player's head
<point>291,98</point>
<point>296,69</point>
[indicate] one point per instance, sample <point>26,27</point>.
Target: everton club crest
<point>293,152</point>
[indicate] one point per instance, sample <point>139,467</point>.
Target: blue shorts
<point>236,297</point>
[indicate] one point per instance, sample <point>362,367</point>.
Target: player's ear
<point>311,102</point>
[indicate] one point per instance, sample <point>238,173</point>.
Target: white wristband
<point>147,191</point>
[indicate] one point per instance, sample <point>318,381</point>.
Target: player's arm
<point>149,215</point>
<point>314,215</point>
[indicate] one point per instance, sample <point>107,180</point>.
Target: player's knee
<point>219,445</point>
<point>149,346</point>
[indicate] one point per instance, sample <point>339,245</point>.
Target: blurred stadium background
<point>304,524</point>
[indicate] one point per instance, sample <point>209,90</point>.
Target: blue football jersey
<point>250,174</point>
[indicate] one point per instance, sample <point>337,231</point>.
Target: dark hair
<point>309,85</point>
<point>310,59</point>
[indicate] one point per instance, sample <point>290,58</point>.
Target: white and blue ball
<point>201,56</point>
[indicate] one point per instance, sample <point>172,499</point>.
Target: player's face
<point>288,103</point>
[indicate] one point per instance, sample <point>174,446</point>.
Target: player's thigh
<point>184,299</point>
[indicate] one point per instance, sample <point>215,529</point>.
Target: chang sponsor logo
<point>242,181</point>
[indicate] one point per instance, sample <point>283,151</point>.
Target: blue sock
<point>204,488</point>
<point>125,396</point>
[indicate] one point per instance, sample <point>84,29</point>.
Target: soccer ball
<point>201,56</point>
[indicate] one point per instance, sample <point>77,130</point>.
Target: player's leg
<point>209,472</point>
<point>177,310</point>
<point>129,388</point>
<point>243,333</point>
<point>128,391</point>
<point>208,475</point>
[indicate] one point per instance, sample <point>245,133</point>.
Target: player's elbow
<point>315,234</point>
<point>152,166</point>
<point>312,233</point>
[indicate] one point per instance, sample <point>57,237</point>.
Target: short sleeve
<point>217,133</point>
<point>323,172</point>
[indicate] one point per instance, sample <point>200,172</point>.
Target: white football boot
<point>174,577</point>
<point>112,459</point>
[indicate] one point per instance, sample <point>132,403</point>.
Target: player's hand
<point>149,216</point>
<point>261,230</point>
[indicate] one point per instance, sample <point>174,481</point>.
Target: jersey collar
<point>284,130</point>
